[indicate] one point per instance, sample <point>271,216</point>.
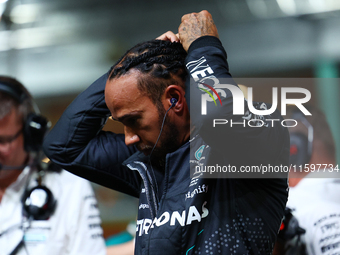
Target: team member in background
<point>314,190</point>
<point>42,210</point>
<point>166,137</point>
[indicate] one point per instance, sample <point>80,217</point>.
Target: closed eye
<point>130,119</point>
<point>131,122</point>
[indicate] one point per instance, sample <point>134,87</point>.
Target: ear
<point>177,92</point>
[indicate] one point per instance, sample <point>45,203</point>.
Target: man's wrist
<point>206,41</point>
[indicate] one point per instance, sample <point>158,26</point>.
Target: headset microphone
<point>4,167</point>
<point>173,102</point>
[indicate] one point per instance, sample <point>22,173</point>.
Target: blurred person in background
<point>43,209</point>
<point>314,182</point>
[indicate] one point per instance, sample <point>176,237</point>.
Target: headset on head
<point>38,202</point>
<point>35,125</point>
<point>301,145</point>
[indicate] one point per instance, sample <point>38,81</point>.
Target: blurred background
<point>58,48</point>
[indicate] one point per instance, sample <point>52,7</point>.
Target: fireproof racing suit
<point>186,214</point>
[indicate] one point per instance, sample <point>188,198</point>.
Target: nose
<point>130,137</point>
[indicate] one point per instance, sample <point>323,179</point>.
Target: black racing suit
<point>186,215</point>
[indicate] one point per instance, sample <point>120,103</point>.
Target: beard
<point>168,141</point>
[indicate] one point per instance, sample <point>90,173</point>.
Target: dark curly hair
<point>161,63</point>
